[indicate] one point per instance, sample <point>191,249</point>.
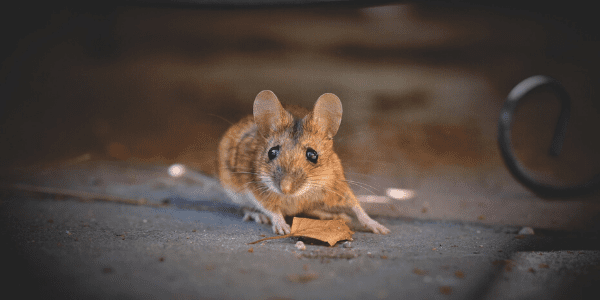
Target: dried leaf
<point>330,231</point>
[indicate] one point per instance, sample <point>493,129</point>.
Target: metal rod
<point>504,139</point>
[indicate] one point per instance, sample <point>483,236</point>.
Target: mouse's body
<point>281,163</point>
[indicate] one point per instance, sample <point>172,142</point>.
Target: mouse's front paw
<point>279,225</point>
<point>376,227</point>
<point>256,216</point>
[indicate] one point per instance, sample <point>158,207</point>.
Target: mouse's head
<point>297,153</point>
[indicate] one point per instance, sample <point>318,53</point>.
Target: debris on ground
<point>526,231</point>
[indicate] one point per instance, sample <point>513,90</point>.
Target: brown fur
<point>289,184</point>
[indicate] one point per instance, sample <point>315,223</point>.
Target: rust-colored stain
<point>118,151</point>
<point>411,100</point>
<point>428,144</point>
<point>454,144</point>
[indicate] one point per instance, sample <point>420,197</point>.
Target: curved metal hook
<point>504,141</point>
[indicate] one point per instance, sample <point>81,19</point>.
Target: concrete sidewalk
<point>186,241</point>
<point>72,249</point>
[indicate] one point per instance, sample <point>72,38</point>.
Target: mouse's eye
<point>273,152</point>
<point>312,155</point>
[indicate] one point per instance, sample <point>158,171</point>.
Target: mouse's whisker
<point>320,185</point>
<point>245,173</point>
<point>253,181</point>
<point>261,188</point>
<point>359,183</point>
<point>268,183</point>
<point>364,186</point>
<point>237,170</point>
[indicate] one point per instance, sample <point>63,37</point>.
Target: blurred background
<point>422,84</point>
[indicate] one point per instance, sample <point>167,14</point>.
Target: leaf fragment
<point>329,231</point>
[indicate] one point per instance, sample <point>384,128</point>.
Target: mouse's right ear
<point>327,114</point>
<point>269,115</point>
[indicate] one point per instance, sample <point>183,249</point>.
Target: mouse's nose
<point>286,185</point>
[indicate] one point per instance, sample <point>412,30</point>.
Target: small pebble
<point>347,244</point>
<point>526,231</point>
<point>300,245</point>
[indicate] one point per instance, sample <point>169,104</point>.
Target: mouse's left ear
<point>327,114</point>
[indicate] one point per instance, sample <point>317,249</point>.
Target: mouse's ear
<point>269,115</point>
<point>327,114</point>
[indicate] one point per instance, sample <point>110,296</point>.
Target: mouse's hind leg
<point>327,215</point>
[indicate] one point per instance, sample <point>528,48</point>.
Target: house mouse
<point>280,162</point>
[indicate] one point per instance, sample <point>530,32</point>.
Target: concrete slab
<point>72,249</point>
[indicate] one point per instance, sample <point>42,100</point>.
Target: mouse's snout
<point>289,182</point>
<point>286,185</point>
